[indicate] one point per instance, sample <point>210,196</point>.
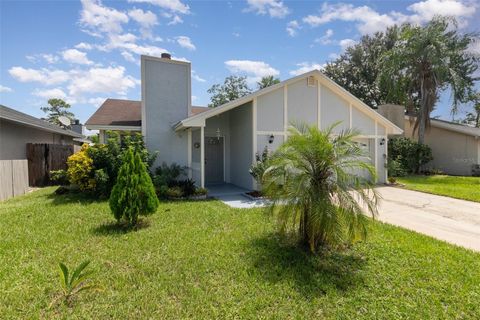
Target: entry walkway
<point>233,196</point>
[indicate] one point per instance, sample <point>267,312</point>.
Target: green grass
<point>206,260</point>
<point>467,188</point>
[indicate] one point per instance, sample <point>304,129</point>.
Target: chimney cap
<point>166,55</point>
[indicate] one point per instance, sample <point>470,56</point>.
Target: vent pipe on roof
<point>166,56</point>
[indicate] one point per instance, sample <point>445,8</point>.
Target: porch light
<point>218,133</point>
<point>271,138</point>
<point>382,142</point>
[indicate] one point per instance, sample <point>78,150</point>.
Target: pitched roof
<point>452,126</point>
<point>198,109</point>
<point>25,119</point>
<point>197,119</point>
<point>117,112</point>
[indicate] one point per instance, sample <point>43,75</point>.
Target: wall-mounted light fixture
<point>382,142</point>
<point>271,138</point>
<point>218,134</point>
<point>196,145</point>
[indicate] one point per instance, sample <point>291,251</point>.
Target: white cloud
<point>197,77</point>
<point>171,5</point>
<point>50,58</point>
<point>345,43</point>
<point>98,19</point>
<point>97,101</point>
<point>5,89</point>
<point>129,57</point>
<point>76,56</point>
<point>175,20</point>
<point>304,67</point>
<point>186,42</point>
<point>50,93</point>
<point>84,46</point>
<point>146,19</point>
<point>236,34</point>
<point>101,80</point>
<point>369,21</point>
<point>274,8</point>
<point>292,28</point>
<point>254,70</point>
<point>326,38</point>
<point>426,10</point>
<point>45,76</point>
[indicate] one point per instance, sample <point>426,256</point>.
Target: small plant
<point>258,168</point>
<point>76,282</point>
<point>175,192</point>
<point>392,180</point>
<point>168,175</point>
<point>80,169</point>
<point>59,177</point>
<point>201,192</point>
<point>188,187</point>
<point>133,194</point>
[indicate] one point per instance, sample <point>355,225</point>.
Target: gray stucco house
<point>218,145</point>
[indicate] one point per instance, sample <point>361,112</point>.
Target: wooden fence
<point>13,178</point>
<point>42,158</point>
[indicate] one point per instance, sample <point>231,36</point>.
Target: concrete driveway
<point>452,220</point>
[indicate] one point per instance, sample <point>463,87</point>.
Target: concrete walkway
<point>452,220</point>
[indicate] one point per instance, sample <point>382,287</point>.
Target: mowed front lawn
<point>206,260</point>
<point>467,188</point>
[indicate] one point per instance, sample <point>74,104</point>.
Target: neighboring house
<point>455,147</point>
<point>17,129</point>
<point>218,145</point>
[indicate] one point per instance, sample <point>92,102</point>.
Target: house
<point>455,147</point>
<point>218,145</point>
<point>17,129</point>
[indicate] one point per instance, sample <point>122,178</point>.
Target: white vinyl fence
<point>13,178</point>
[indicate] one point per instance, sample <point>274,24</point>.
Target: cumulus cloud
<point>76,56</point>
<point>50,93</point>
<point>97,19</point>
<point>274,8</point>
<point>5,89</point>
<point>186,42</point>
<point>45,76</point>
<point>171,5</point>
<point>253,70</point>
<point>146,19</point>
<point>292,28</point>
<point>84,46</point>
<point>304,67</point>
<point>345,43</point>
<point>326,38</point>
<point>101,80</point>
<point>369,21</point>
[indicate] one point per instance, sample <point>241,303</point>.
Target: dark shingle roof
<point>116,112</point>
<point>25,119</point>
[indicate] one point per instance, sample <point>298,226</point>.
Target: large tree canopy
<point>233,87</point>
<point>357,68</point>
<point>425,61</point>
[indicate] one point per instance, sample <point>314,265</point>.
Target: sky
<point>89,50</point>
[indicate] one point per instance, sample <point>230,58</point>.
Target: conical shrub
<point>133,193</point>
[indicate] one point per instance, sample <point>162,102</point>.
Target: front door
<point>213,160</point>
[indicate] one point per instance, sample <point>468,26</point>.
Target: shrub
<point>102,183</point>
<point>168,174</point>
<point>395,169</point>
<point>80,169</point>
<point>133,193</point>
<point>201,192</point>
<point>175,192</point>
<point>411,155</point>
<point>59,177</point>
<point>187,186</point>
<point>258,168</point>
<point>392,180</point>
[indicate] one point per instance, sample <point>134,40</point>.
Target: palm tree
<point>313,186</point>
<point>425,61</point>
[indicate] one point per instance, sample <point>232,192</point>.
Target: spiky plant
<point>316,185</point>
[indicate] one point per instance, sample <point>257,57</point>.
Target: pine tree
<point>133,193</point>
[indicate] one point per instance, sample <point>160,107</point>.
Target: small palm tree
<point>316,186</point>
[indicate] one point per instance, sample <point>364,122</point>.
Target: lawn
<point>206,260</point>
<point>467,188</point>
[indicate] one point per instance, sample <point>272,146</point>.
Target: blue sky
<point>86,51</point>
